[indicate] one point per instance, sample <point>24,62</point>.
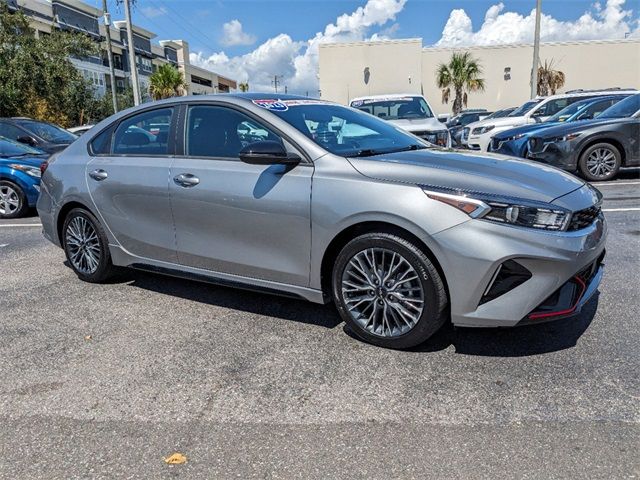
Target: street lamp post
<point>536,51</point>
<point>132,54</point>
<point>112,75</point>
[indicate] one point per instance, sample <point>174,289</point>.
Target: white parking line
<point>632,209</point>
<point>8,225</point>
<point>613,184</point>
<point>4,245</point>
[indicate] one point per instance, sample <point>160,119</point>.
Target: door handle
<point>98,175</point>
<point>186,180</point>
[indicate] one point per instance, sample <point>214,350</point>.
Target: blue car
<point>19,177</point>
<point>514,141</point>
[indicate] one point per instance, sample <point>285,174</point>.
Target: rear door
<point>236,218</point>
<point>128,179</point>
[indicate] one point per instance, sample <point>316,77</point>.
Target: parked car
<point>504,112</point>
<point>595,148</point>
<point>516,112</point>
<point>44,136</point>
<point>481,132</point>
<point>19,177</point>
<point>80,130</point>
<point>408,111</point>
<point>400,235</point>
<point>459,121</point>
<point>514,141</point>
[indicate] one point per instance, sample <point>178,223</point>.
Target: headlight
<point>517,212</point>
<point>565,138</point>
<point>31,171</point>
<point>514,137</point>
<point>481,130</point>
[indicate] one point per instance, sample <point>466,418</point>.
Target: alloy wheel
<point>9,200</point>
<point>382,292</point>
<point>601,162</point>
<point>83,245</point>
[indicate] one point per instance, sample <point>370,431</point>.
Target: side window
<point>10,132</point>
<point>144,134</point>
<point>101,144</point>
<point>214,131</point>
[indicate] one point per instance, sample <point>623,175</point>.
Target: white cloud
<point>152,12</point>
<point>296,61</point>
<point>499,26</point>
<point>234,35</point>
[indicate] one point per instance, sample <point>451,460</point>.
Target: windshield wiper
<point>369,152</point>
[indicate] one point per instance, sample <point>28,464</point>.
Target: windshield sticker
<point>387,99</point>
<point>304,101</point>
<point>356,103</point>
<point>273,105</point>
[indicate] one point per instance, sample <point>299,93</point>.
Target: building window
<point>201,81</point>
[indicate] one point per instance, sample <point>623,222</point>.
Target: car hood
<point>524,129</point>
<point>419,124</point>
<point>28,161</point>
<point>476,172</point>
<point>572,127</point>
<point>499,122</point>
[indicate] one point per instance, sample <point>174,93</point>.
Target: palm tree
<point>549,80</point>
<point>167,81</point>
<point>462,74</point>
<point>244,86</point>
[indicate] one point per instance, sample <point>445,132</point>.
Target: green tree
<point>167,81</point>
<point>462,76</point>
<point>244,86</point>
<point>37,78</point>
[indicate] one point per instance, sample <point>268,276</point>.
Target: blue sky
<point>241,38</point>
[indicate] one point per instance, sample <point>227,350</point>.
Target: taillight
<point>43,167</point>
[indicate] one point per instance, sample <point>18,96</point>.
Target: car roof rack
<point>611,89</point>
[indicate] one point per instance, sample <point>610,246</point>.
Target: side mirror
<point>267,152</point>
<point>28,140</point>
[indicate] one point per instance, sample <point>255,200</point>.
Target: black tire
<point>610,170</point>
<point>435,298</point>
<point>7,210</point>
<point>104,269</point>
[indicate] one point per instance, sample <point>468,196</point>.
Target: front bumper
<point>560,154</point>
<point>472,253</point>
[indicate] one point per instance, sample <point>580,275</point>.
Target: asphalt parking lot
<point>103,381</point>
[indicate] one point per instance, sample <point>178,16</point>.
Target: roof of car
<point>266,96</point>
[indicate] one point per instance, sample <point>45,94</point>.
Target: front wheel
<point>600,162</point>
<point>13,201</point>
<point>86,246</point>
<point>388,291</point>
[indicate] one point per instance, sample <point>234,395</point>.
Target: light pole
<point>536,51</point>
<point>112,74</point>
<point>132,54</point>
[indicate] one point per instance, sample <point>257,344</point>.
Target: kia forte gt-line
<point>319,201</point>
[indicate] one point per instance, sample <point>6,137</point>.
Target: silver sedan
<point>314,200</point>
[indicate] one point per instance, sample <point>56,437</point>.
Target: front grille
<point>584,218</point>
<point>437,138</point>
<point>496,144</point>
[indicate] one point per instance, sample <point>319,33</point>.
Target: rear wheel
<point>86,246</point>
<point>13,201</point>
<point>600,162</point>
<point>388,291</point>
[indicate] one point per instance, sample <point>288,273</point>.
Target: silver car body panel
<point>269,227</point>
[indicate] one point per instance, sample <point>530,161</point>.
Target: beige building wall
<point>587,65</point>
<point>393,66</point>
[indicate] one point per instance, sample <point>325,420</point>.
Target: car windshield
<point>518,112</point>
<point>49,132</point>
<point>569,111</point>
<point>623,109</point>
<point>10,148</point>
<point>501,113</point>
<point>341,130</point>
<point>396,108</point>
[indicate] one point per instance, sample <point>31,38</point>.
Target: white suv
<point>409,112</point>
<point>477,136</point>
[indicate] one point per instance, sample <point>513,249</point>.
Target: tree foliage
<point>167,81</point>
<point>549,79</point>
<point>462,75</point>
<point>37,78</point>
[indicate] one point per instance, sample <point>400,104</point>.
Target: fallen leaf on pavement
<point>175,459</point>
<point>88,337</point>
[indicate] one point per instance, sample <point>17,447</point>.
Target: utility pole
<point>112,74</point>
<point>286,90</point>
<point>132,54</point>
<point>536,51</point>
<point>276,81</point>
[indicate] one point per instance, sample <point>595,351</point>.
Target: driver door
<point>232,217</point>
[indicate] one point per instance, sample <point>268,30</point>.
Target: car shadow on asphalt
<point>514,342</point>
<point>285,308</point>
